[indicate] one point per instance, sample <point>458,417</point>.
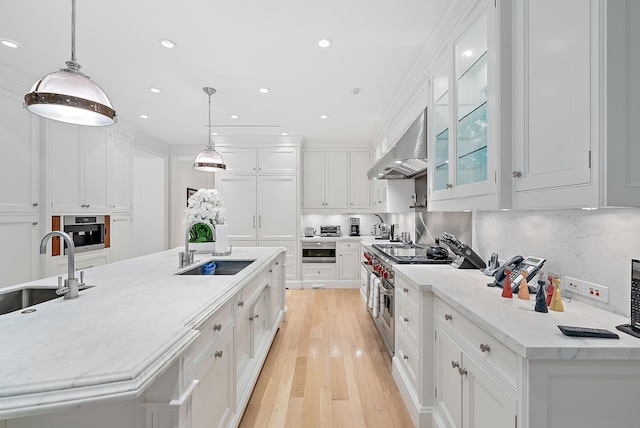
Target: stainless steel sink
<point>22,298</point>
<point>223,267</point>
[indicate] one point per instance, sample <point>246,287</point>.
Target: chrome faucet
<point>186,258</point>
<point>70,289</point>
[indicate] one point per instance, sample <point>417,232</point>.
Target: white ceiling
<point>236,47</point>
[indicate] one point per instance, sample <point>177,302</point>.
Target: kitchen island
<point>144,346</point>
<point>465,356</point>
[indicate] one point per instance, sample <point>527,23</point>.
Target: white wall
<point>148,204</point>
<point>596,246</point>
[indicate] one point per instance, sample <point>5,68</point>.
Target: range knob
<point>385,273</point>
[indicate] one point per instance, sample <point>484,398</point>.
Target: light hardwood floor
<point>327,367</point>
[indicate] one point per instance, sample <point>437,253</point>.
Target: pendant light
<point>209,160</point>
<point>68,95</point>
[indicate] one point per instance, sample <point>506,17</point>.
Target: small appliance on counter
<point>394,234</point>
<point>309,232</point>
<point>381,231</point>
<point>354,226</point>
<point>466,258</point>
<point>330,231</point>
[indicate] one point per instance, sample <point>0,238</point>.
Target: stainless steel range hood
<point>408,157</point>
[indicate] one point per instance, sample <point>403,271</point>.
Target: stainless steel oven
<point>87,232</point>
<point>318,252</point>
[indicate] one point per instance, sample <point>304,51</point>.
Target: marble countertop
<point>117,337</point>
<point>515,324</point>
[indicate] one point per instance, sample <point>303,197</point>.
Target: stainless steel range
<point>380,262</point>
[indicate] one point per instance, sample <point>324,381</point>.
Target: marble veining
<point>118,336</point>
<point>515,324</point>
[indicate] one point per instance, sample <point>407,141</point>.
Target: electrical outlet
<point>589,289</point>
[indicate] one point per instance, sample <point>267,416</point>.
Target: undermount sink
<point>223,267</point>
<point>22,298</point>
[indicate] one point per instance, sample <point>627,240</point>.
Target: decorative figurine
<point>556,300</point>
<point>541,304</point>
<point>506,288</point>
<point>549,290</point>
<point>523,292</point>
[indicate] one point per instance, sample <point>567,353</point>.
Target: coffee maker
<point>354,226</point>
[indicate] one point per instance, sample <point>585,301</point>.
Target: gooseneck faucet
<point>70,289</point>
<point>185,258</point>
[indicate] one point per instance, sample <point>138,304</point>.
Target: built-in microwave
<point>86,232</point>
<point>318,252</point>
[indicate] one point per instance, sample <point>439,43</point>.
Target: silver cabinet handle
<point>406,290</point>
<point>241,303</point>
<point>485,348</point>
<point>260,221</point>
<point>35,223</point>
<point>35,204</point>
<point>455,364</point>
<point>218,354</point>
<point>254,221</point>
<point>448,317</point>
<point>462,371</point>
<point>405,356</point>
<point>517,174</point>
<point>449,186</point>
<point>406,319</point>
<point>217,327</point>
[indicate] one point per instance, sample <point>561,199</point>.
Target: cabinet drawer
<point>406,320</point>
<point>348,245</point>
<point>210,331</point>
<point>250,292</point>
<point>408,358</point>
<point>482,345</point>
<point>325,272</point>
<point>407,294</point>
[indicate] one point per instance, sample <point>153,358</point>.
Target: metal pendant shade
<point>68,95</point>
<point>209,160</point>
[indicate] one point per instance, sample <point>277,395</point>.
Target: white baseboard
<point>422,417</point>
<point>309,284</point>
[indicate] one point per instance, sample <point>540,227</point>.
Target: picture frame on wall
<point>190,192</point>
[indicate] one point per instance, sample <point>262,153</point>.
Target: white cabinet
<point>475,375</point>
<point>318,273</point>
<point>277,207</point>
<point>393,196</point>
<point>241,202</point>
<point>19,248</point>
<point>268,160</point>
<point>58,264</point>
<point>573,104</point>
<point>325,180</point>
<point>121,173</point>
<point>359,185</point>
<point>77,168</point>
<point>120,237</point>
<point>348,260</point>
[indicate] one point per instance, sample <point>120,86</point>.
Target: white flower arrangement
<point>205,205</point>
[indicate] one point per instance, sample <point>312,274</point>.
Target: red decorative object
<point>506,288</point>
<point>550,289</point>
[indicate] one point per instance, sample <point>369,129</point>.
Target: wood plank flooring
<point>326,368</point>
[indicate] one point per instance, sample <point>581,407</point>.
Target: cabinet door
<point>239,192</point>
<point>348,264</point>
<point>313,181</point>
<point>239,160</point>
<point>65,167</point>
<point>19,249</point>
<point>359,184</point>
<point>19,160</point>
<point>95,143</point>
<point>448,380</point>
<point>555,76</point>
<point>486,403</point>
<point>336,179</point>
<point>277,207</point>
<point>121,172</point>
<point>259,317</point>
<point>278,160</point>
<point>121,231</point>
<point>242,338</point>
<point>212,403</point>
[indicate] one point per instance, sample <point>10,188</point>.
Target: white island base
<point>144,348</point>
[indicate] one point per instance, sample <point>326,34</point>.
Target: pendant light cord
<point>209,91</point>
<point>73,31</point>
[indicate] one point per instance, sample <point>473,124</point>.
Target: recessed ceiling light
<point>154,90</point>
<point>324,116</point>
<point>264,90</point>
<point>214,133</point>
<point>324,43</point>
<point>234,116</point>
<point>10,43</point>
<point>144,116</point>
<point>285,133</point>
<point>398,161</point>
<point>380,174</point>
<point>355,91</point>
<point>467,53</point>
<point>169,44</point>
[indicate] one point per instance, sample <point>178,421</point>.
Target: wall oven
<point>318,252</point>
<point>86,232</point>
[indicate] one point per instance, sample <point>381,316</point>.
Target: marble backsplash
<point>595,246</point>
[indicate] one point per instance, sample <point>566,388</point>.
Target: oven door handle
<point>384,290</point>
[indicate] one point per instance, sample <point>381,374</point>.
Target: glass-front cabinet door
<point>463,144</point>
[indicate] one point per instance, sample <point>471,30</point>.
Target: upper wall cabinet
<point>77,168</point>
<point>271,160</point>
<point>575,97</point>
<point>466,130</point>
<point>19,160</point>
